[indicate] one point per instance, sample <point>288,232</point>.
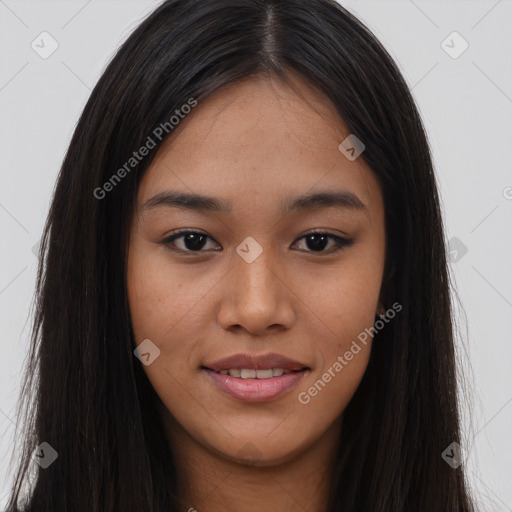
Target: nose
<point>257,297</point>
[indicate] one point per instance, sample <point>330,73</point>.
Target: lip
<point>254,362</point>
<point>255,390</point>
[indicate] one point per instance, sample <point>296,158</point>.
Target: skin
<point>256,144</point>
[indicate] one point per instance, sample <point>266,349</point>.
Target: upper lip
<point>254,362</point>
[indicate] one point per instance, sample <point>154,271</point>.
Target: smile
<point>249,385</point>
<point>249,373</point>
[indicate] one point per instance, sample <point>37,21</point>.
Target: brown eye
<point>196,241</point>
<point>317,242</point>
<point>193,241</point>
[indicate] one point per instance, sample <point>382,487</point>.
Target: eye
<point>316,242</point>
<point>193,241</point>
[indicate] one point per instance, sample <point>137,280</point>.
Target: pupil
<point>310,240</point>
<point>194,241</point>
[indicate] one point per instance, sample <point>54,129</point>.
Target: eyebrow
<point>328,199</point>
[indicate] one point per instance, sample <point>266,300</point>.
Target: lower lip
<point>256,390</point>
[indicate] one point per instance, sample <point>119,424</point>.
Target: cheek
<point>168,306</point>
<point>344,307</point>
<point>327,394</point>
<point>162,310</point>
<point>160,299</point>
<point>341,301</point>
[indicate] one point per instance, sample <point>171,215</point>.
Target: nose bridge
<point>255,280</point>
<point>256,298</point>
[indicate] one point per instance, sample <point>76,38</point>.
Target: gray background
<point>466,104</point>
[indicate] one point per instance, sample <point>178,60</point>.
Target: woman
<point>245,284</point>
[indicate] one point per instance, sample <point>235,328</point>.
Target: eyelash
<point>341,243</point>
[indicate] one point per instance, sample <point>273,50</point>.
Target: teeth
<point>263,374</point>
<point>247,373</point>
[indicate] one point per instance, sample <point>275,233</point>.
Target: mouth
<point>251,385</point>
<point>251,373</point>
<point>255,378</point>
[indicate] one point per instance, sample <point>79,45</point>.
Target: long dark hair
<point>85,393</point>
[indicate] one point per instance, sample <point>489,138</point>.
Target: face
<point>255,293</point>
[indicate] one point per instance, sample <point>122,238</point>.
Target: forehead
<point>261,136</point>
<point>260,109</point>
